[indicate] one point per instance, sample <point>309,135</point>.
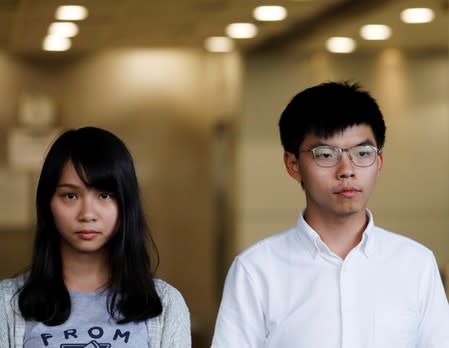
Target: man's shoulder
<point>270,247</point>
<point>397,243</point>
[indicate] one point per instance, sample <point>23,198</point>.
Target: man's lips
<point>87,234</point>
<point>347,192</point>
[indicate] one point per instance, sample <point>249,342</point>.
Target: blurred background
<point>197,99</point>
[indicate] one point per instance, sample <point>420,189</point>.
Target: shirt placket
<point>350,331</point>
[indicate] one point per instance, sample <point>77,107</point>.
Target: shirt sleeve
<point>176,327</point>
<point>240,322</point>
<point>434,326</point>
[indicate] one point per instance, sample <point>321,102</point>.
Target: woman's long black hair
<point>102,161</point>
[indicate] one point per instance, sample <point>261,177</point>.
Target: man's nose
<point>345,165</point>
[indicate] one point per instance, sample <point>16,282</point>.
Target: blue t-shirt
<point>89,326</point>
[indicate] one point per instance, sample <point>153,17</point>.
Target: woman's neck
<point>84,272</point>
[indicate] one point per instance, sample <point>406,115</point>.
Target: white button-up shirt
<point>291,291</point>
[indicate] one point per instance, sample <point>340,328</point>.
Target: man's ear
<point>292,165</point>
<point>381,162</point>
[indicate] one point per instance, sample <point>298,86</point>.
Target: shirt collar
<point>316,245</point>
<point>368,235</point>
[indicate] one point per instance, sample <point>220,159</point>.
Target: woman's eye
<point>105,195</point>
<point>69,195</point>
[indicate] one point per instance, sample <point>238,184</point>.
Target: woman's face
<point>85,217</point>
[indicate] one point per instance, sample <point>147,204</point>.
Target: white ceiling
<point>186,23</point>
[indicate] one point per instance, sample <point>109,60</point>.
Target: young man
<point>335,279</point>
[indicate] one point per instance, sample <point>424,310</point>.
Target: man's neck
<point>340,233</point>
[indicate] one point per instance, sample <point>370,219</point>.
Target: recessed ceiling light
<point>219,44</point>
<point>375,32</point>
<point>71,13</point>
<point>340,45</point>
<point>56,43</point>
<point>270,13</point>
<point>241,30</point>
<point>417,15</point>
<point>67,29</point>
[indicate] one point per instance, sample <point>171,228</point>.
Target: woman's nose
<point>87,210</point>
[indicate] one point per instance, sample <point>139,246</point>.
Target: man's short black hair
<point>327,109</point>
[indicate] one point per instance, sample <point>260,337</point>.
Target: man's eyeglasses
<point>360,155</point>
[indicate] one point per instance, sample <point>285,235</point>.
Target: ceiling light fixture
<point>241,30</point>
<point>417,15</point>
<point>375,32</point>
<point>270,13</point>
<point>56,43</point>
<point>67,29</point>
<point>340,45</point>
<point>71,13</point>
<point>219,44</point>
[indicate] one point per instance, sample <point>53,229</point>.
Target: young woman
<point>91,283</point>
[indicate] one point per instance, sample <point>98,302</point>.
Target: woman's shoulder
<point>173,303</point>
<point>175,319</point>
<point>11,285</point>
<point>168,293</point>
<point>9,288</point>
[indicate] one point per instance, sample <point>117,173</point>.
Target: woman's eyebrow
<point>67,185</point>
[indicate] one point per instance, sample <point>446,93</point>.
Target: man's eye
<point>325,153</point>
<point>364,152</point>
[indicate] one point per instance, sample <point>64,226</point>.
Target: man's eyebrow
<point>322,143</point>
<point>366,142</point>
<point>319,143</point>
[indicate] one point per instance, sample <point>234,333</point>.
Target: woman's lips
<point>87,235</point>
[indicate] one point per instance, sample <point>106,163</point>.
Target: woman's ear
<point>292,165</point>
